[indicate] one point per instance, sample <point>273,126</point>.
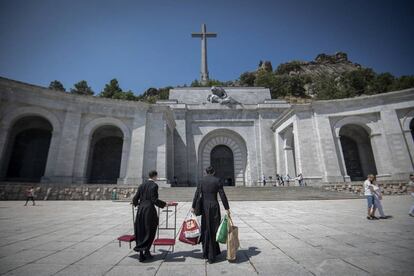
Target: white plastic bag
<point>192,227</point>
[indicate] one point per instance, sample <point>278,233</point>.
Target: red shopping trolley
<point>128,238</point>
<point>168,227</point>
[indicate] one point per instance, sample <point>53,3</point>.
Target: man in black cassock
<point>209,187</point>
<point>146,221</point>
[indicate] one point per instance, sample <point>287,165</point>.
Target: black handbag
<point>198,210</point>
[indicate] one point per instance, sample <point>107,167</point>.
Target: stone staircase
<point>260,193</point>
<point>16,191</point>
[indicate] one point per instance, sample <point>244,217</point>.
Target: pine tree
<point>56,85</point>
<point>112,90</point>
<point>82,88</point>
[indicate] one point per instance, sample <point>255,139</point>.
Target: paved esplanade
<point>330,237</point>
<point>204,35</point>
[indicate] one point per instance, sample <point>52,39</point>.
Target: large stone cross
<point>204,35</point>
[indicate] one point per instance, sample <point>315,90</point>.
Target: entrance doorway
<point>357,152</point>
<point>222,161</point>
<point>105,155</point>
<point>29,147</point>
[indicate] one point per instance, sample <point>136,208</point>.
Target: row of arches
<point>28,145</point>
<point>29,141</point>
<point>354,144</point>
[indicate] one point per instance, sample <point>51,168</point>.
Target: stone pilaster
<point>65,160</point>
<point>395,139</point>
<point>329,162</point>
<point>134,172</point>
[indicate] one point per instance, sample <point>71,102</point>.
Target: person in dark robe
<point>209,187</point>
<point>146,221</point>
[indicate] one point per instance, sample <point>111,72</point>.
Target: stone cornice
<point>18,91</point>
<point>281,118</point>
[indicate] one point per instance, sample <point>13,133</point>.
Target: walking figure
<point>300,179</point>
<point>30,196</point>
<point>209,187</point>
<point>146,221</point>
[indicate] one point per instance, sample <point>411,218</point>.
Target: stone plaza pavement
<point>315,237</point>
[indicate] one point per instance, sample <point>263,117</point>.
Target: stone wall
<point>388,187</point>
<point>17,191</point>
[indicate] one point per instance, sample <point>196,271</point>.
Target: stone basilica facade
<point>54,137</point>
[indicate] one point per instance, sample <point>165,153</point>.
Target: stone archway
<point>357,152</point>
<point>105,155</point>
<point>27,153</point>
<point>83,169</point>
<point>234,142</point>
<point>11,118</point>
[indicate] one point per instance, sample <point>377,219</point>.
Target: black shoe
<point>369,218</point>
<point>211,261</point>
<point>141,257</point>
<point>411,215</point>
<point>373,217</point>
<point>148,254</point>
<point>382,217</point>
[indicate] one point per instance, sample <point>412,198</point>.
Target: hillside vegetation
<point>326,77</point>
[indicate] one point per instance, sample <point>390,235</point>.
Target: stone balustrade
<point>388,188</point>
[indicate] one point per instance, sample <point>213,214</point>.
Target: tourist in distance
<point>281,180</point>
<point>264,180</point>
<point>411,191</point>
<point>287,179</point>
<point>209,187</point>
<point>146,221</point>
<point>369,194</point>
<point>300,179</point>
<point>378,197</point>
<point>30,196</point>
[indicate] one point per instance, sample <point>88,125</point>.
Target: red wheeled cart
<point>167,241</point>
<point>128,238</point>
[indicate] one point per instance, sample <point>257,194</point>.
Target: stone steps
<point>259,193</point>
<point>16,191</point>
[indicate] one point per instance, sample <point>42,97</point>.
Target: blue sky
<point>148,43</point>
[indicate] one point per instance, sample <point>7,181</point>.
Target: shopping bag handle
<point>229,219</point>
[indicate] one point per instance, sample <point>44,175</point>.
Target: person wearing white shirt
<point>377,198</point>
<point>369,194</point>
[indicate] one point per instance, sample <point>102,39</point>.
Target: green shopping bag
<point>221,235</point>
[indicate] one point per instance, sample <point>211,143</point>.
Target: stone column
<point>382,156</point>
<point>328,150</point>
<point>290,161</point>
<point>134,171</point>
<point>398,148</point>
<point>280,158</point>
<point>162,153</point>
<point>410,142</point>
<point>306,148</point>
<point>180,148</point>
<point>126,145</point>
<point>4,133</point>
<point>82,155</point>
<point>52,157</point>
<point>64,167</point>
<point>267,145</point>
<point>347,178</point>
